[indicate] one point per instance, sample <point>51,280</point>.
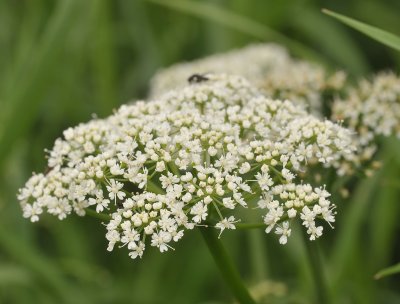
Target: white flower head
<point>375,111</point>
<point>187,158</point>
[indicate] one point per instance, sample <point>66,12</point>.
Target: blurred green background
<point>61,62</point>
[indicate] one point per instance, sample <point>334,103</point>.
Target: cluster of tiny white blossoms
<point>191,157</point>
<point>371,109</point>
<point>267,66</point>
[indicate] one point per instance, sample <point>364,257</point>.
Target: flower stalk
<point>226,266</point>
<point>100,216</point>
<point>317,271</point>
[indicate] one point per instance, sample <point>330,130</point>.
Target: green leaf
<point>375,33</point>
<point>387,271</point>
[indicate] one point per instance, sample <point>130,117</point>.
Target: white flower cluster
<point>267,66</point>
<point>190,158</point>
<point>371,109</point>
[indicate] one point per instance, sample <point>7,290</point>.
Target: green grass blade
<point>375,33</point>
<point>349,230</point>
<point>145,42</point>
<point>29,258</point>
<point>387,271</point>
<point>350,225</point>
<point>384,210</point>
<point>239,23</point>
<point>25,94</point>
<point>103,56</point>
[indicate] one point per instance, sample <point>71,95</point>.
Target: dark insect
<point>196,78</point>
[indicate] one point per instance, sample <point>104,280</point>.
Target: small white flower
<point>272,217</point>
<point>101,205</point>
<point>160,166</point>
<point>32,212</point>
<point>289,176</point>
<point>284,231</point>
<point>308,217</point>
<point>161,240</point>
<point>226,223</point>
<point>200,212</point>
<point>291,213</point>
<point>244,168</point>
<point>167,181</point>
<point>314,232</point>
<point>137,251</point>
<point>228,203</point>
<point>113,237</point>
<point>264,180</point>
<point>114,188</point>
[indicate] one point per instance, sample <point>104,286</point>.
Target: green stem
<point>257,249</point>
<point>226,266</point>
<point>101,216</point>
<point>258,254</point>
<point>317,270</point>
<point>174,168</point>
<point>250,225</point>
<point>151,186</point>
<point>258,225</point>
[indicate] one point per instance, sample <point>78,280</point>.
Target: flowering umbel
<point>192,157</point>
<point>375,111</point>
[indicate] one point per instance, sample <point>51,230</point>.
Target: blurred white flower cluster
<point>269,67</point>
<point>191,157</point>
<point>370,110</point>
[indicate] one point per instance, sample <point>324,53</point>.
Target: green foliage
<point>61,61</point>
